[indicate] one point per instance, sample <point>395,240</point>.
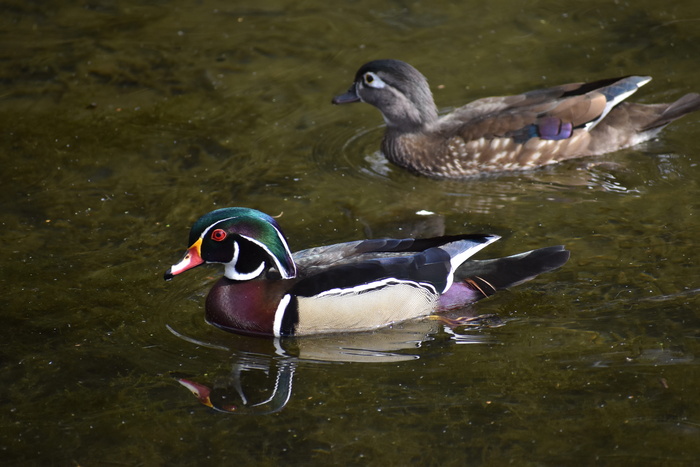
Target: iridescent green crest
<point>255,226</point>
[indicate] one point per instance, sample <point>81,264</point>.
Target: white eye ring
<point>373,81</point>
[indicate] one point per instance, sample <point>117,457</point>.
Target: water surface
<point>122,123</point>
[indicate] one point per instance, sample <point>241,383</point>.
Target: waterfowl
<point>506,133</point>
<point>354,286</point>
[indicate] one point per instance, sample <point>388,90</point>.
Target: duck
<point>360,285</point>
<point>510,133</point>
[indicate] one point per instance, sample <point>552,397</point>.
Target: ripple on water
<point>354,151</point>
<point>357,153</point>
<point>251,375</point>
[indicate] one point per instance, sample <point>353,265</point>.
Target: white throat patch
<point>232,273</point>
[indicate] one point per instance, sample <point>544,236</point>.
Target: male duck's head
<point>247,242</point>
<point>397,89</point>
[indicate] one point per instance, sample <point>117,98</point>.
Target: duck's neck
<point>425,105</point>
<point>406,116</point>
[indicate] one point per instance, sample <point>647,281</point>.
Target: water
<point>122,123</point>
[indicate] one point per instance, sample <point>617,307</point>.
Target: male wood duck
<point>506,133</point>
<point>355,286</point>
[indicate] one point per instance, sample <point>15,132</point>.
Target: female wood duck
<point>355,286</point>
<point>506,133</point>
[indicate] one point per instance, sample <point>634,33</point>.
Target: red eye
<point>218,235</point>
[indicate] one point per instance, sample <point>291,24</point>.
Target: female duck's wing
<point>548,114</point>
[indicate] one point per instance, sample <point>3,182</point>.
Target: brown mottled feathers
<point>506,133</point>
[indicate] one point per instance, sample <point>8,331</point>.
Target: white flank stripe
<point>279,314</point>
<point>373,286</point>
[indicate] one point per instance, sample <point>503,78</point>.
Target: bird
<point>359,285</point>
<point>510,133</point>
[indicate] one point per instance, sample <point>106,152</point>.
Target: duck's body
<point>506,133</point>
<point>355,286</point>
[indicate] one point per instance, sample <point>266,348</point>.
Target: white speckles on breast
<point>499,156</point>
<point>457,145</point>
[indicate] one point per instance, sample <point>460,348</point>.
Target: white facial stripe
<point>204,234</point>
<point>279,314</point>
<point>285,274</point>
<point>230,270</point>
<point>373,81</point>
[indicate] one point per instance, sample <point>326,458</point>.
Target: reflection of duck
<point>278,399</point>
<point>506,133</point>
<point>351,286</point>
<point>261,378</point>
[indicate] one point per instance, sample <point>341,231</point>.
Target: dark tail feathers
<point>492,275</point>
<point>684,105</point>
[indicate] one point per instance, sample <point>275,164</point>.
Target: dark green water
<point>122,123</point>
